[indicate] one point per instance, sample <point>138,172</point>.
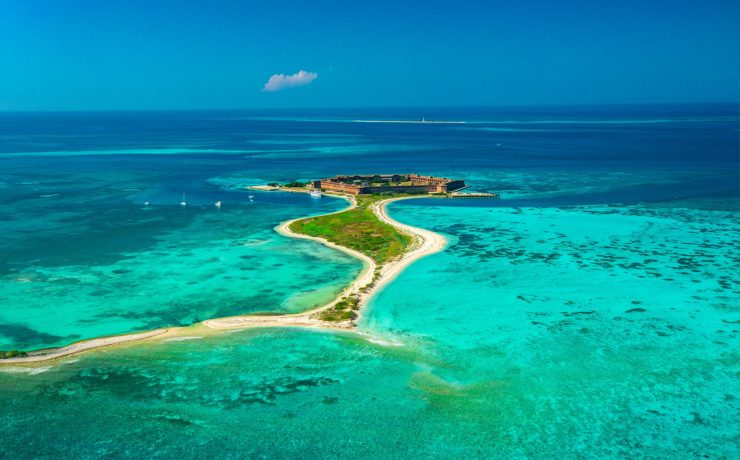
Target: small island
<point>380,184</point>
<point>389,183</point>
<point>365,231</point>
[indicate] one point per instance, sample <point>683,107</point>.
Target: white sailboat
<point>183,202</point>
<point>217,204</point>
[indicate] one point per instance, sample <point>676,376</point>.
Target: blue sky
<point>80,54</point>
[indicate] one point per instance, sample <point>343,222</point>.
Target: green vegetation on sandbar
<point>291,184</point>
<point>346,308</point>
<point>343,310</point>
<point>358,229</point>
<point>12,354</point>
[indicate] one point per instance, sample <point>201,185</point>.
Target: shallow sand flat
<point>425,243</point>
<point>593,319</point>
<point>141,269</point>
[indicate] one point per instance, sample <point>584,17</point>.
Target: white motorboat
<point>217,204</point>
<point>315,194</point>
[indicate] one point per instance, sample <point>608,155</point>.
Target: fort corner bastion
<point>394,183</point>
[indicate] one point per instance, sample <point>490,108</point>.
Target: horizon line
<point>471,106</point>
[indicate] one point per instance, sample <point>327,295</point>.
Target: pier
<point>490,196</point>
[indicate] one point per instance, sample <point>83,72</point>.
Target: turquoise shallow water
<point>606,326</point>
<point>128,267</point>
<point>537,333</point>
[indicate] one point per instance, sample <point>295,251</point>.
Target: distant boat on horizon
<point>217,204</point>
<point>183,202</point>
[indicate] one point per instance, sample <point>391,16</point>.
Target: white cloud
<point>280,81</point>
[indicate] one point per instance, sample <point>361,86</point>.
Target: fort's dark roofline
<point>397,183</point>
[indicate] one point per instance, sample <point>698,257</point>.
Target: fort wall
<point>361,184</point>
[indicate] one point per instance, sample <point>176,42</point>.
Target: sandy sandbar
<point>425,242</point>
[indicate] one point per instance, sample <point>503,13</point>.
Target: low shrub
<point>12,354</point>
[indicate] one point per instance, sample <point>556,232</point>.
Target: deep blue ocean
<point>592,311</point>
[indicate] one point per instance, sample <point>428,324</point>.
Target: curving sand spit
<point>425,242</point>
<point>46,355</point>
